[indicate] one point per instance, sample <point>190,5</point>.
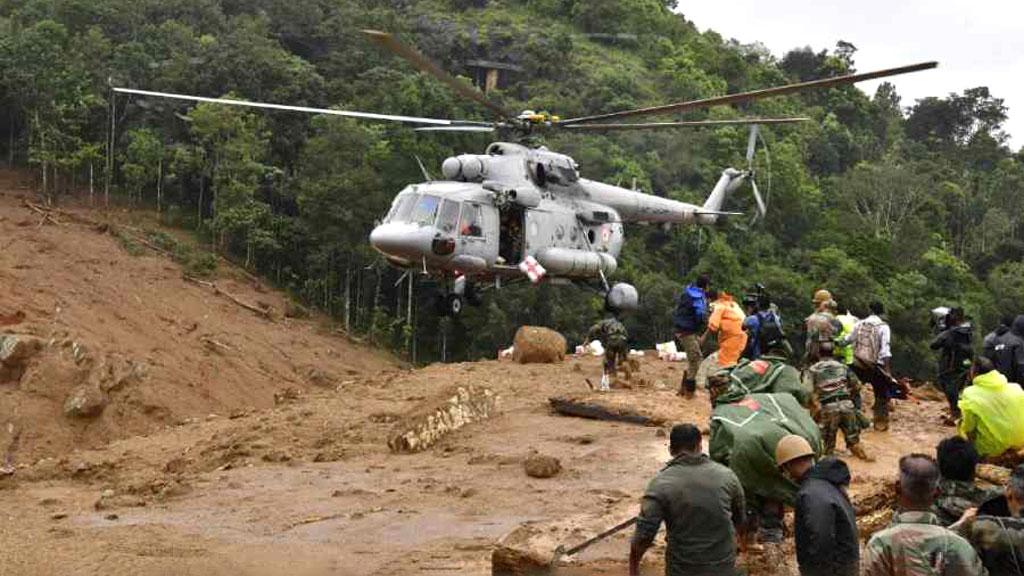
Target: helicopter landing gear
<point>451,303</point>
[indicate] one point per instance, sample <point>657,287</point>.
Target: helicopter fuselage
<point>494,210</point>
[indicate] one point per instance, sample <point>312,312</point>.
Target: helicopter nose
<point>405,241</point>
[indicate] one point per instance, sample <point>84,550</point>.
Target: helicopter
<point>521,211</point>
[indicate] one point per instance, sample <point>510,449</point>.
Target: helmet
<point>822,296</point>
<point>792,447</point>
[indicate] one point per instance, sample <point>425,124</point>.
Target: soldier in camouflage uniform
<point>831,383</point>
<point>958,492</point>
<point>999,540</point>
<point>916,544</point>
<point>613,336</point>
<point>821,326</point>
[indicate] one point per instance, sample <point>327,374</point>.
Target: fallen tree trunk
<point>580,408</point>
<point>434,418</point>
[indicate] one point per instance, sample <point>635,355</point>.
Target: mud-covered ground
<point>197,469</point>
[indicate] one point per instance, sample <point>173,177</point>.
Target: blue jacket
<point>691,312</point>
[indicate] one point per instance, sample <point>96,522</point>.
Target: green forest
<point>917,204</point>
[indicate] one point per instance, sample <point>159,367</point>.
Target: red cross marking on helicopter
<point>532,269</point>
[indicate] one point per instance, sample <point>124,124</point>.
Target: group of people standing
<point>944,523</point>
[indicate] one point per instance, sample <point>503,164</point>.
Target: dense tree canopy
<point>916,205</point>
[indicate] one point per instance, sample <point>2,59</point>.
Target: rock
<point>15,352</point>
<point>59,515</point>
<point>111,516</point>
<point>540,466</point>
<point>318,377</point>
<point>85,401</point>
<point>295,310</point>
<point>436,417</point>
<point>538,345</point>
<point>286,396</point>
<point>526,550</point>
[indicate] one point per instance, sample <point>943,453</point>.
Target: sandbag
<point>744,434</point>
<point>538,345</point>
<point>768,375</point>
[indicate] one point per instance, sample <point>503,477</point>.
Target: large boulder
<point>538,345</point>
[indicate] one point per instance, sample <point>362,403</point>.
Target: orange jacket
<point>727,320</point>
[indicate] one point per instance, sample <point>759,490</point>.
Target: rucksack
<point>770,333</point>
<point>692,309</point>
<point>865,345</point>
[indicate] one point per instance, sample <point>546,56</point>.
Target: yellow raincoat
<point>993,414</point>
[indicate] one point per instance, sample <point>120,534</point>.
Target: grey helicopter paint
<point>572,226</point>
<point>516,204</point>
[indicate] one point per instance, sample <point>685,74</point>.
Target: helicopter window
<point>425,210</point>
<point>448,218</point>
<point>568,174</point>
<point>401,208</point>
<point>472,219</point>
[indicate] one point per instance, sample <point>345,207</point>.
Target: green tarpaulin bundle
<point>744,432</point>
<point>770,375</point>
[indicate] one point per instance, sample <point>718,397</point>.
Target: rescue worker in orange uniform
<point>726,322</point>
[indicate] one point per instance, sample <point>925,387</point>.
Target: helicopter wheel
<point>453,305</point>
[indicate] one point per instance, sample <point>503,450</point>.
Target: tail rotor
<point>762,206</point>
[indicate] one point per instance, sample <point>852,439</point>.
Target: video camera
<point>758,297</point>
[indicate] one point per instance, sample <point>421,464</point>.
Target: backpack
<point>865,345</point>
<point>770,332</point>
<point>692,309</point>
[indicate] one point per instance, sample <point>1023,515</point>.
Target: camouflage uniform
<point>917,545</point>
<point>956,496</point>
<point>999,542</point>
<point>821,327</point>
<point>831,385</point>
<point>615,339</point>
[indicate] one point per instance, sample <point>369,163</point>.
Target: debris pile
<point>450,410</point>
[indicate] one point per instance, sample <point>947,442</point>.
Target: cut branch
<point>266,313</point>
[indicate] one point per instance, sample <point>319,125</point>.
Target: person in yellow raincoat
<point>727,322</point>
<point>993,410</point>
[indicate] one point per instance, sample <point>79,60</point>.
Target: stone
<point>538,345</point>
<point>85,401</point>
<point>15,352</point>
<point>540,466</point>
<point>436,417</point>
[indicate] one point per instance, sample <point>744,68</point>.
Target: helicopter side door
<point>478,231</point>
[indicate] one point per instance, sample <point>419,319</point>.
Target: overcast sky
<point>976,42</point>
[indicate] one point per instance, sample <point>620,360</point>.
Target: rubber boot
<point>858,451</point>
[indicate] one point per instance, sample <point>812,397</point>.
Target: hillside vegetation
<point>914,203</point>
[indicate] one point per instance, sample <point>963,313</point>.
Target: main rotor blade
<point>682,124</point>
<point>455,129</point>
<point>755,94</point>
<point>306,109</point>
<point>751,143</point>
<point>390,43</point>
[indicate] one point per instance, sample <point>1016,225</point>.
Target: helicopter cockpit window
<point>448,218</point>
<point>472,220</point>
<point>401,208</point>
<point>425,210</point>
<point>567,174</point>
